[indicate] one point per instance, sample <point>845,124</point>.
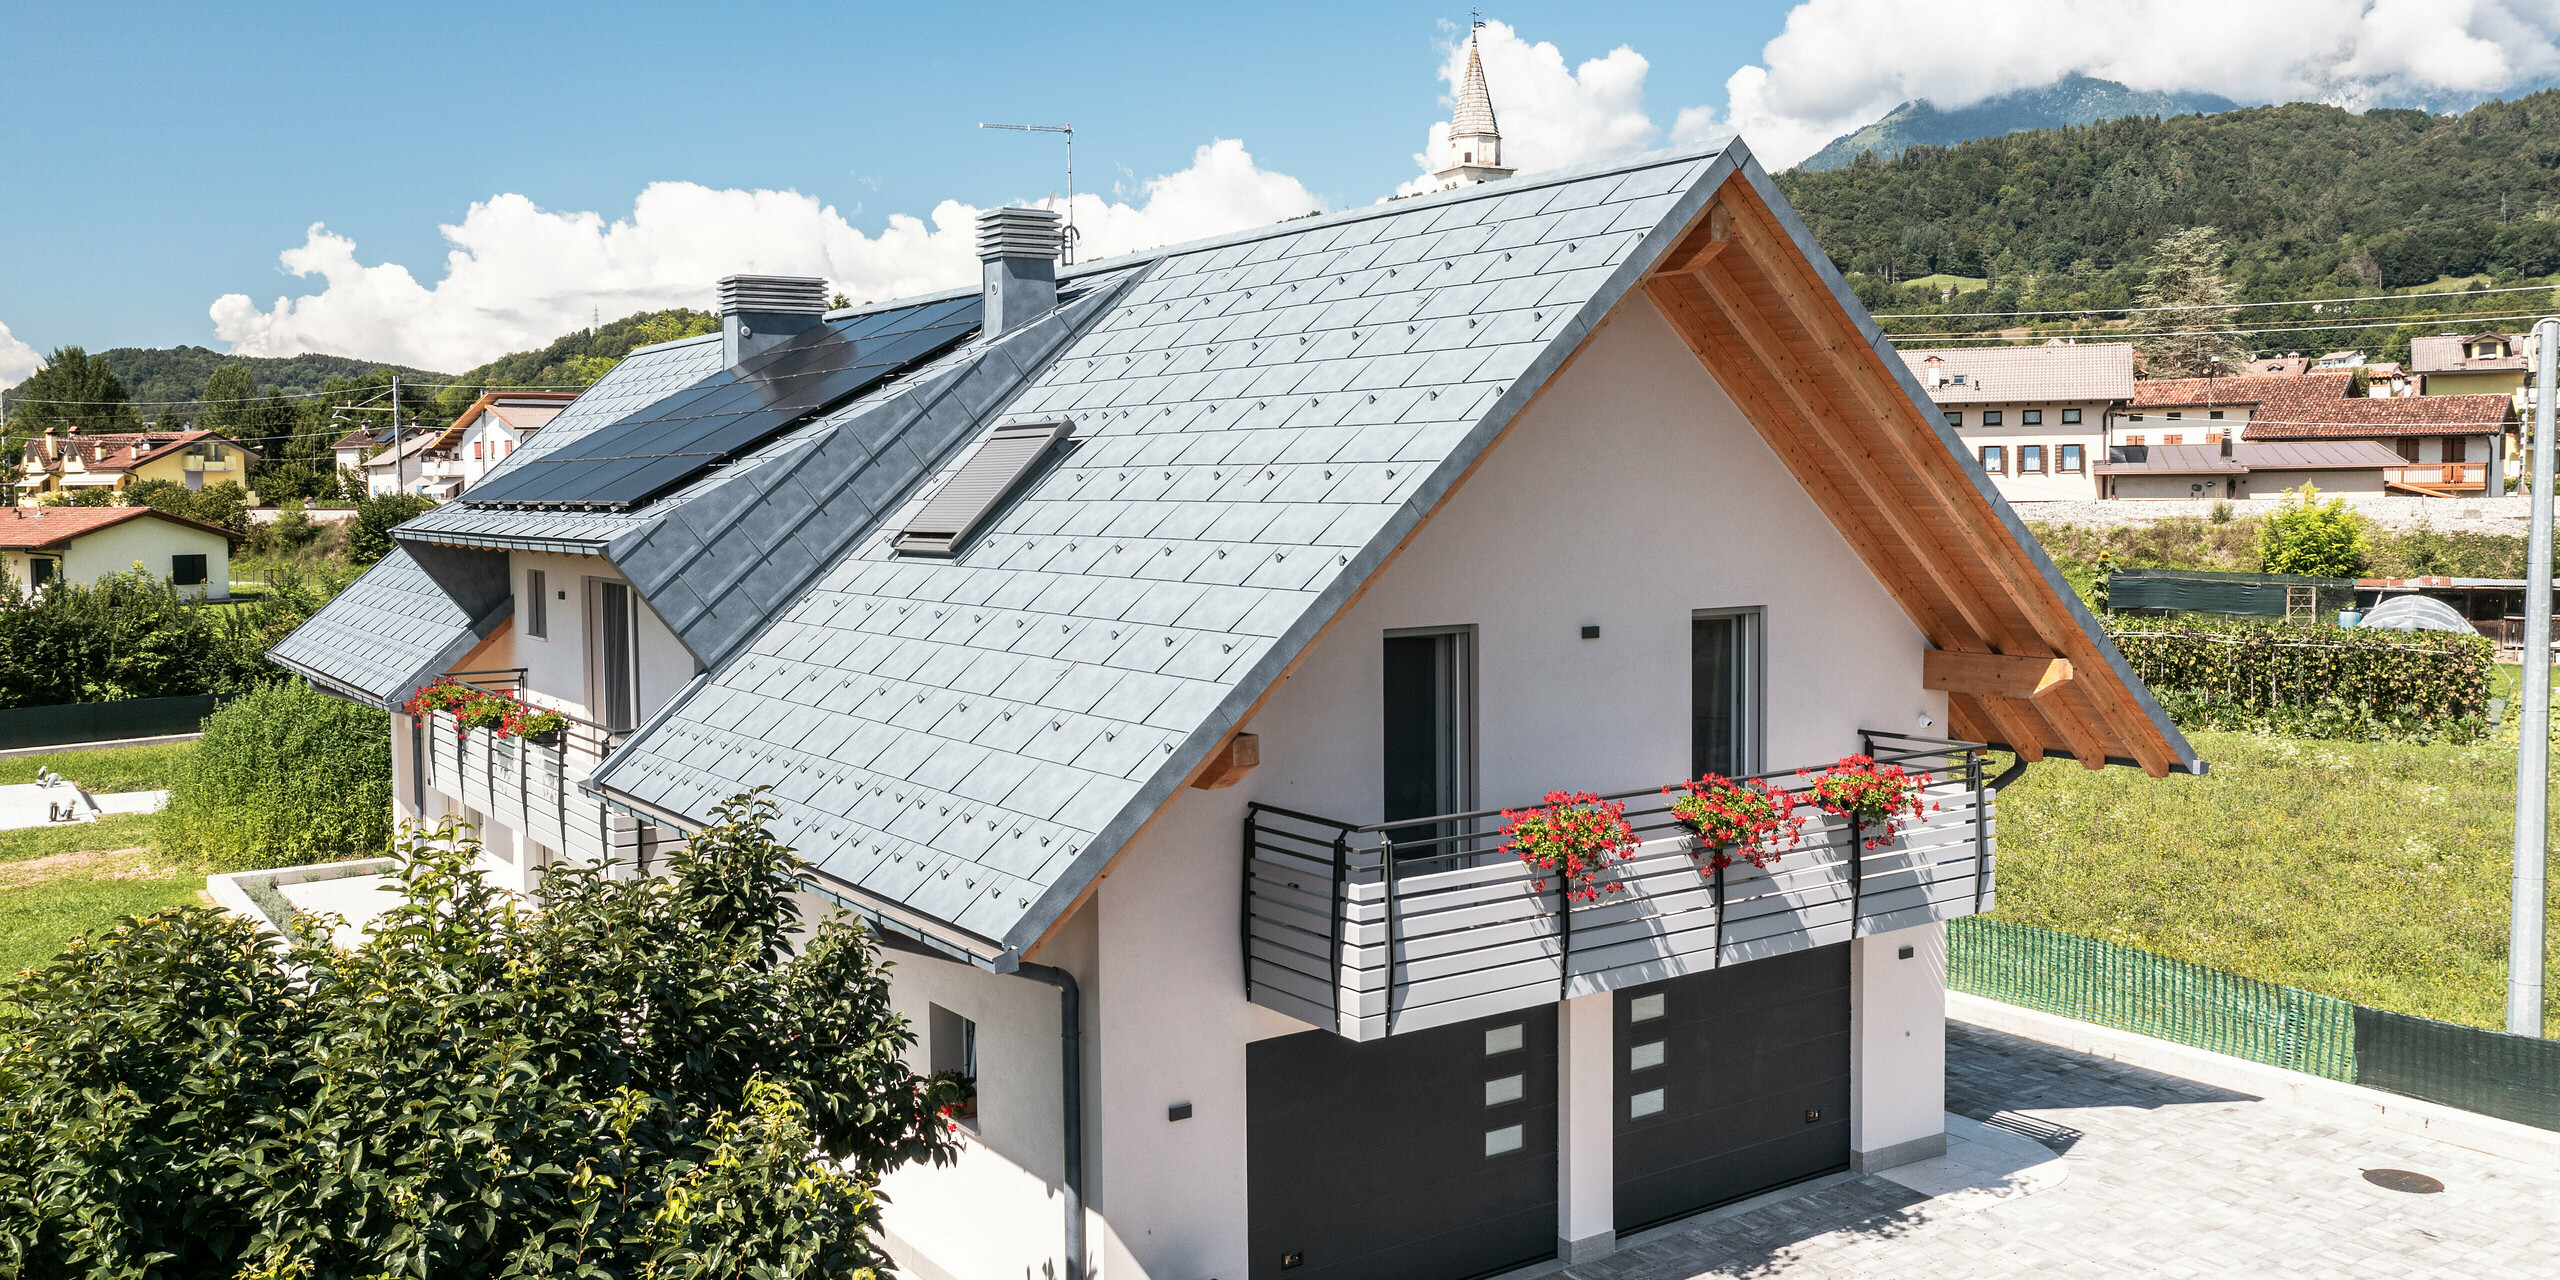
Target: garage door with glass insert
<point>1730,1083</point>
<point>1426,1156</point>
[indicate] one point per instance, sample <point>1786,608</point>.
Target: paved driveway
<point>2158,1177</point>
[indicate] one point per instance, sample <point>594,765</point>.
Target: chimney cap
<point>773,295</point>
<point>1014,232</point>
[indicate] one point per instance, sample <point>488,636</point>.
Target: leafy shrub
<point>126,635</point>
<point>2328,719</point>
<point>2311,538</point>
<point>369,534</point>
<point>642,1078</point>
<point>284,775</point>
<point>2261,667</point>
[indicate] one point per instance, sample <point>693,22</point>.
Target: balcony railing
<point>531,788</point>
<point>1330,906</point>
<point>2438,475</point>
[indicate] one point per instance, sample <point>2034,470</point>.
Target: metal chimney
<point>1020,250</point>
<point>759,312</point>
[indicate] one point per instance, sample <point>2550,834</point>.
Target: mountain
<point>2074,99</point>
<point>157,374</point>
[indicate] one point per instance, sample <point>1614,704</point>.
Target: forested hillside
<point>2309,200</point>
<point>157,375</point>
<point>578,358</point>
<point>2074,99</point>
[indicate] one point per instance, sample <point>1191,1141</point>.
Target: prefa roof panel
<point>1219,490</point>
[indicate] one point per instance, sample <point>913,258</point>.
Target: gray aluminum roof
<point>1257,422</point>
<point>391,631</point>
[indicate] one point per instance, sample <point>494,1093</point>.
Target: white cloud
<point>1551,115</point>
<point>1830,72</point>
<point>519,275</point>
<point>17,359</point>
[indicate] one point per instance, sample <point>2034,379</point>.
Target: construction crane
<point>1068,232</point>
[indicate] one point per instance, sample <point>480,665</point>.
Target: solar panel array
<point>672,440</point>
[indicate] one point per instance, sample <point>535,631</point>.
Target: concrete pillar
<point>1586,1129</point>
<point>1898,1047</point>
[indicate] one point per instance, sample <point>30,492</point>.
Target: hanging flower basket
<point>1573,837</point>
<point>1752,819</point>
<point>1879,798</point>
<point>473,708</point>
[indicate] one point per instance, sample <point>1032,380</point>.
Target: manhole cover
<point>2416,1184</point>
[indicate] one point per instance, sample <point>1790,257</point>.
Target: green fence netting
<point>2137,991</point>
<point>2210,591</point>
<point>2511,1077</point>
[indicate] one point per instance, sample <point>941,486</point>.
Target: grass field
<point>2374,872</point>
<point>103,771</point>
<point>57,883</point>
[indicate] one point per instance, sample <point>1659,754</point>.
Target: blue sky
<point>176,154</point>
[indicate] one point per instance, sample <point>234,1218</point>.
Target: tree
<point>2186,272</point>
<point>74,391</point>
<point>225,504</point>
<point>161,495</point>
<point>91,495</point>
<point>2312,538</point>
<point>645,1077</point>
<point>369,534</point>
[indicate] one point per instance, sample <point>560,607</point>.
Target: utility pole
<point>399,460</point>
<point>2533,748</point>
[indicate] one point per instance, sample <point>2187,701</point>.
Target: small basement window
<point>187,571</point>
<point>1003,461</point>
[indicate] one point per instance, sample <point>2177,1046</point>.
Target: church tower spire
<point>1474,150</point>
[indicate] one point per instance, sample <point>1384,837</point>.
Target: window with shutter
<point>1003,461</point>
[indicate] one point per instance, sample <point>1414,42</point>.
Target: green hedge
<point>2265,665</point>
<point>284,775</point>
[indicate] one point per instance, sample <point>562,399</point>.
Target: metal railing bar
<point>1260,807</point>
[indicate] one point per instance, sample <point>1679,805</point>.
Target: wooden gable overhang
<point>2023,664</point>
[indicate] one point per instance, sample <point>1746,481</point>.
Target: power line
<point>296,395</point>
<point>2214,306</point>
<point>2241,330</point>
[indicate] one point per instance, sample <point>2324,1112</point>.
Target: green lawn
<point>38,914</point>
<point>2374,872</point>
<point>103,771</point>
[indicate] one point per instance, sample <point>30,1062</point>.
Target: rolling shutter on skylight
<point>965,501</point>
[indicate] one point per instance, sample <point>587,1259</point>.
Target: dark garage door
<point>1730,1083</point>
<point>1425,1156</point>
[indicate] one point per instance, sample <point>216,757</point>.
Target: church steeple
<point>1474,151</point>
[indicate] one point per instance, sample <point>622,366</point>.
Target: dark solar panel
<point>659,447</point>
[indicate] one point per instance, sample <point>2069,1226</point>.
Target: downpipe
<point>1071,1049</point>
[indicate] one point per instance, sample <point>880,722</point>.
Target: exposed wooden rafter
<point>2016,664</point>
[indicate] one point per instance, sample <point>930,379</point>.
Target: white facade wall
<point>151,543</point>
<point>1898,1046</point>
<point>2271,486</point>
<point>557,665</point>
<point>2050,484</point>
<point>2144,488</point>
<point>1630,494</point>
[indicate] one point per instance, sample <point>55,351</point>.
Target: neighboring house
<point>2385,379</point>
<point>2246,469</point>
<point>350,449</point>
<point>2447,445</point>
<point>2035,418</point>
<point>40,545</point>
<point>440,464</point>
<point>1085,626</point>
<point>2280,366</point>
<point>2471,364</point>
<point>114,462</point>
<point>2338,362</point>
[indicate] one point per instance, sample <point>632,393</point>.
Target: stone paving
<point>2160,1177</point>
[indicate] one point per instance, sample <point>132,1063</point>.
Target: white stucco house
<point>42,545</point>
<point>440,464</point>
<point>1144,647</point>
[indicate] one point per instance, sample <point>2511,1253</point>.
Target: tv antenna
<point>1068,232</point>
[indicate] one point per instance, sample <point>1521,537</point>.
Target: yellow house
<point>2471,364</point>
<point>42,545</point>
<point>115,462</point>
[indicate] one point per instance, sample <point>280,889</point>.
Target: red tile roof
<point>2316,406</point>
<point>116,451</point>
<point>37,528</point>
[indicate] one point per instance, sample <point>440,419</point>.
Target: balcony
<point>2438,477</point>
<point>1327,903</point>
<point>531,788</point>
